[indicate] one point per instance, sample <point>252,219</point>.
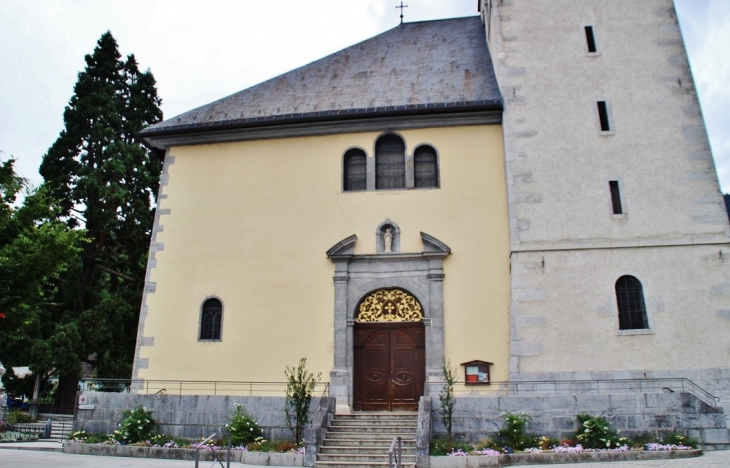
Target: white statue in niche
<point>388,238</point>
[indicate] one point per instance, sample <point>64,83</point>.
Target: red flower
<point>2,315</point>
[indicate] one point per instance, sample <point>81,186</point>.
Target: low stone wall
<point>191,416</point>
<point>715,380</point>
<point>476,418</point>
<point>522,459</point>
<point>248,458</point>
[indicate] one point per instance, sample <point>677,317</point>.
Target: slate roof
<point>417,67</point>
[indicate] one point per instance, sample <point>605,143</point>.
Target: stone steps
<point>362,440</point>
<point>410,449</point>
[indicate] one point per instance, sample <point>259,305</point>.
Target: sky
<point>202,51</point>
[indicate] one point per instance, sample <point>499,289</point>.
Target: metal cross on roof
<point>401,11</point>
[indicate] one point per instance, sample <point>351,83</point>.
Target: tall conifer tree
<point>105,182</point>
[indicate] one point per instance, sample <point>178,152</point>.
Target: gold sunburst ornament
<point>390,305</point>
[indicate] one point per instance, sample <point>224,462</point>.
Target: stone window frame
<point>200,320</point>
<point>650,330</point>
<point>409,166</point>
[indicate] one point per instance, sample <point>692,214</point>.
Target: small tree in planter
<point>447,398</point>
<point>299,388</point>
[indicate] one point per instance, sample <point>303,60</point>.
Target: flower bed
<point>546,458</point>
<point>207,453</point>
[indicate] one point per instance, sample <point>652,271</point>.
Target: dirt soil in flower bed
<point>521,459</point>
<point>249,458</point>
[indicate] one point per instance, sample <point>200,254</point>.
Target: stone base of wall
<point>715,380</point>
<point>190,416</point>
<point>522,459</point>
<point>476,418</point>
<point>248,458</point>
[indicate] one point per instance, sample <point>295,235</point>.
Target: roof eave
<point>155,137</point>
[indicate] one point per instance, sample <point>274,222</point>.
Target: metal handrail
<point>561,387</point>
<point>194,387</point>
<point>392,454</point>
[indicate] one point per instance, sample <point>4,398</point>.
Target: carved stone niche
<point>381,234</point>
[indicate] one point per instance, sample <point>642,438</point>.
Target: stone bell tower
<point>610,180</point>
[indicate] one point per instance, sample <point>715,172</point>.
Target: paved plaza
<point>36,459</point>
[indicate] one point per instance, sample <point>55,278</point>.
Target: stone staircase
<point>61,425</point>
<point>362,440</point>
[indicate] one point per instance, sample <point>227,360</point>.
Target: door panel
<point>389,366</point>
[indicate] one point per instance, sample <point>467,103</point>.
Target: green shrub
<point>595,432</point>
<point>16,416</point>
<point>639,440</point>
<point>242,427</point>
<point>446,445</point>
<point>97,438</point>
<point>488,444</point>
<point>679,439</point>
<point>136,426</point>
<point>545,442</point>
<point>514,431</point>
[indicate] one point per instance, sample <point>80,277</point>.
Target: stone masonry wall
<point>476,418</point>
<point>191,416</point>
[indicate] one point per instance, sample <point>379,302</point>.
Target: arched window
<point>426,173</point>
<point>210,320</point>
<point>631,306</point>
<point>354,171</point>
<point>390,162</point>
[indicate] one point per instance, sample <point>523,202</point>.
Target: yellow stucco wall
<point>250,223</point>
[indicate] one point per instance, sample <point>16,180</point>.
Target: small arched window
<point>390,162</point>
<point>355,170</point>
<point>631,306</point>
<point>426,174</point>
<point>211,319</point>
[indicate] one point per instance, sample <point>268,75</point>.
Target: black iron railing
<point>562,387</point>
<point>194,387</point>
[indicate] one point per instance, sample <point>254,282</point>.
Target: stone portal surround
<point>421,274</point>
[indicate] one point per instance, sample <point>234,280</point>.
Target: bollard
<point>47,432</point>
<point>197,457</point>
<point>228,455</point>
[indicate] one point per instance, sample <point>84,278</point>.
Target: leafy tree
<point>299,388</point>
<point>35,249</point>
<point>105,181</point>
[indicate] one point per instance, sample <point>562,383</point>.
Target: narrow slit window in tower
<point>590,39</point>
<point>603,116</point>
<point>615,197</point>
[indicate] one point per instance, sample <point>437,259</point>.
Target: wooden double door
<point>389,367</point>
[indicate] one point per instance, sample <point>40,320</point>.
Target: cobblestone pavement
<point>27,459</point>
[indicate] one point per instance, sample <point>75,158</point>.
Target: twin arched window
<point>211,319</point>
<point>392,170</point>
<point>631,305</point>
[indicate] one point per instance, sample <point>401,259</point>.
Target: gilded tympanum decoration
<point>390,305</point>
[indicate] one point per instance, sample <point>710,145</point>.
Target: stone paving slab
<point>37,446</point>
<point>716,459</point>
<point>26,458</point>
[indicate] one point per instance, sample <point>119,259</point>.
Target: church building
<point>527,193</point>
